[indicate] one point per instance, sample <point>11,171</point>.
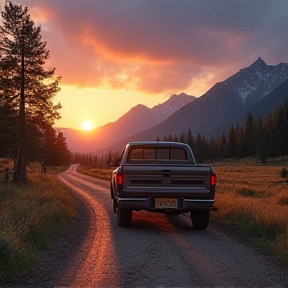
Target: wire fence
<point>6,175</point>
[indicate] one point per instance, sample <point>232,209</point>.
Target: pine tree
<point>240,147</point>
<point>62,152</point>
<point>280,130</point>
<point>269,126</point>
<point>231,143</point>
<point>249,140</point>
<point>190,140</point>
<point>26,86</point>
<point>198,148</point>
<point>261,143</point>
<point>222,147</point>
<point>285,104</point>
<point>8,128</point>
<point>213,148</point>
<point>182,137</point>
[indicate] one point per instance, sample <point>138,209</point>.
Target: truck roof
<point>158,143</point>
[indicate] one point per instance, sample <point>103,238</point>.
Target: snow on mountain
<point>175,102</point>
<point>258,80</point>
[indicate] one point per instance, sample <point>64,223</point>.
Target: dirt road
<point>157,250</point>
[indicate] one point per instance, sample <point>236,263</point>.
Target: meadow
<point>30,216</point>
<point>252,201</point>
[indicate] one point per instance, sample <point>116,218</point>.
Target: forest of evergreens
<point>262,138</point>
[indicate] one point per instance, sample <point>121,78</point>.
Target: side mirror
<point>115,163</point>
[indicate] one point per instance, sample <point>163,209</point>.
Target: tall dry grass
<point>30,216</point>
<point>104,174</point>
<point>254,200</point>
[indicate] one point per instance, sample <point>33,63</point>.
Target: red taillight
<point>213,179</point>
<point>119,178</point>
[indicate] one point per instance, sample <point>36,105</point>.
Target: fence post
<point>7,175</point>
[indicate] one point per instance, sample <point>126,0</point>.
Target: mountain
<point>137,119</point>
<point>257,89</point>
<point>174,103</point>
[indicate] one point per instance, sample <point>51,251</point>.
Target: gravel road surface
<point>156,251</point>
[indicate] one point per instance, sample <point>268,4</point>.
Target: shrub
<point>246,192</point>
<point>284,173</point>
<point>283,201</point>
<point>6,249</point>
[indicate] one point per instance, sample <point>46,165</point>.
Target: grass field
<point>30,216</point>
<point>252,199</point>
<point>103,174</point>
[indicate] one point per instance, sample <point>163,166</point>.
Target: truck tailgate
<point>191,181</point>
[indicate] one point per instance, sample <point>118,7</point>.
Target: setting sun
<point>87,125</point>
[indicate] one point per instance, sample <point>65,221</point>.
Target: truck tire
<point>114,205</point>
<point>124,217</point>
<point>200,219</point>
<point>111,191</point>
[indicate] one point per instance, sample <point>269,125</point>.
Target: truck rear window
<point>157,154</point>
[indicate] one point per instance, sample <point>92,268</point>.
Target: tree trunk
<point>21,154</point>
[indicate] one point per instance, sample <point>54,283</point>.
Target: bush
<point>283,201</point>
<point>6,249</point>
<point>246,192</point>
<point>284,173</point>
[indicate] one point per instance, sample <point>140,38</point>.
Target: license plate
<point>165,203</point>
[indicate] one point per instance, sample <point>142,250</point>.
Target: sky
<point>115,54</point>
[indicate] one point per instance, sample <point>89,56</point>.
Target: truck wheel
<point>124,217</point>
<point>111,191</point>
<point>200,219</point>
<point>114,205</point>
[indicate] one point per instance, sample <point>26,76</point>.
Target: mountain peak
<point>259,63</point>
<point>139,107</point>
<point>174,103</point>
<point>182,94</point>
<point>256,81</point>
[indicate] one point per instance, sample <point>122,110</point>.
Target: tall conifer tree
<point>26,84</point>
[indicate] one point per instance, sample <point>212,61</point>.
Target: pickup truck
<point>159,176</point>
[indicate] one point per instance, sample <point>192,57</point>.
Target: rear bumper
<point>183,204</point>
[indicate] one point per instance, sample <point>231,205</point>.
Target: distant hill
<point>137,119</point>
<point>257,89</point>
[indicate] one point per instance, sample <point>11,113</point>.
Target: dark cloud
<point>159,45</point>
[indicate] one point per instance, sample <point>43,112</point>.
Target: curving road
<point>159,251</point>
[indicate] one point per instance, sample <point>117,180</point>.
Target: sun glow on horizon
<point>87,126</point>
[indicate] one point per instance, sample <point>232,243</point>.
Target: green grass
<point>30,216</point>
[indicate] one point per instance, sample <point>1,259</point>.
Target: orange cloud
<point>141,45</point>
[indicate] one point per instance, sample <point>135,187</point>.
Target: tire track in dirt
<point>97,267</point>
